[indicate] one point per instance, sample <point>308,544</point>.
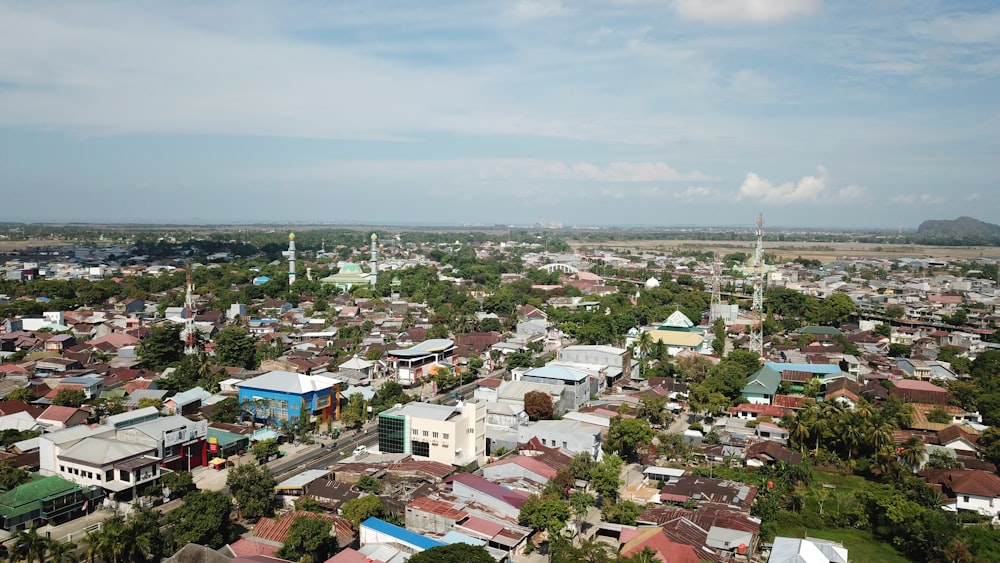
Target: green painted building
<point>762,386</point>
<point>47,500</point>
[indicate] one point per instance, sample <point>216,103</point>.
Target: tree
<point>369,483</point>
<point>235,347</point>
<point>653,408</point>
<point>357,510</point>
<point>544,512</point>
<point>264,450</point>
<point>355,411</point>
<point>20,394</point>
<point>28,546</point>
<point>203,518</point>
<point>835,310</point>
<point>895,311</point>
<point>227,411</point>
<point>179,483</point>
<point>150,402</point>
<point>538,405</point>
<point>453,553</point>
<point>622,512</point>
<point>69,397</point>
<point>897,350</point>
<point>162,346</point>
<point>309,535</point>
<point>626,435</point>
<point>252,487</point>
<point>719,337</point>
<point>11,475</point>
<point>882,330</point>
<point>605,477</point>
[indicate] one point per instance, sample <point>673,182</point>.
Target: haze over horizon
<point>622,112</point>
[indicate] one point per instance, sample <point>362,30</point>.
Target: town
<point>351,396</point>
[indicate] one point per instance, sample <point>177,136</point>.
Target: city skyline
<point>629,112</point>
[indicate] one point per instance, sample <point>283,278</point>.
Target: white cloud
<point>918,199</point>
<point>961,28</point>
<point>599,35</point>
<point>809,189</point>
<point>701,194</point>
<point>721,11</point>
<point>536,9</point>
<point>501,169</point>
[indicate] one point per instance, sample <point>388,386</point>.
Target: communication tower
<point>757,306</point>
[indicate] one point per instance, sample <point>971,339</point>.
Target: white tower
<point>757,307</point>
<point>715,308</point>
<point>374,259</point>
<point>189,345</point>
<point>291,258</point>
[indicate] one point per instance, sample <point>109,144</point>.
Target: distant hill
<point>963,227</point>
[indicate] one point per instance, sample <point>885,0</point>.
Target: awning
<point>217,461</point>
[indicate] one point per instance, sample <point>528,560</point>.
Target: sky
<point>816,113</point>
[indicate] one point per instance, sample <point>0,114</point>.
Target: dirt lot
<point>823,251</point>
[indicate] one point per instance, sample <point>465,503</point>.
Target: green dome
<point>351,269</point>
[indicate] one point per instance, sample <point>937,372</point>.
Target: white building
<point>453,435</point>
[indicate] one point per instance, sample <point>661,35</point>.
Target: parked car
<point>360,450</point>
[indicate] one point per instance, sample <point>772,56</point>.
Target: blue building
<point>282,395</point>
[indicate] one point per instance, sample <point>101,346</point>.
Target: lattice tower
<point>757,306</point>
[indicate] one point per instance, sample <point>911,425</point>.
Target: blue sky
<point>672,112</point>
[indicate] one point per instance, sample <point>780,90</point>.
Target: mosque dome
<point>374,237</point>
<point>291,236</point>
<point>652,283</point>
<point>350,268</point>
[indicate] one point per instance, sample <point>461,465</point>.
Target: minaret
<point>374,260</point>
<point>291,258</point>
<point>715,308</point>
<point>189,347</point>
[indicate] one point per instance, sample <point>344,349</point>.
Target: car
<point>360,450</point>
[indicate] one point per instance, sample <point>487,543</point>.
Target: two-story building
<point>280,396</point>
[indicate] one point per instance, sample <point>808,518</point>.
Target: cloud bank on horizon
<point>657,112</point>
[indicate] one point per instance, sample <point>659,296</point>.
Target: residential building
<point>412,364</point>
<point>570,435</point>
<point>806,550</point>
<point>581,385</point>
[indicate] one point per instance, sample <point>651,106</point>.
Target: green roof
<point>27,497</point>
<point>764,382</point>
<point>225,438</point>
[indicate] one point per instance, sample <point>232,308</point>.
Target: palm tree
<point>28,545</point>
<point>645,345</point>
<point>62,551</point>
<point>851,433</point>
<point>798,431</point>
<point>912,454</point>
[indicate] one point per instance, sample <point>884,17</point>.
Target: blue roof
<point>402,534</point>
<point>808,368</point>
<point>455,537</point>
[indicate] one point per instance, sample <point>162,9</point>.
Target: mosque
<point>351,275</point>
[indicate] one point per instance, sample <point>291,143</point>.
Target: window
<point>392,434</point>
<point>434,435</point>
<point>415,432</point>
<point>565,446</point>
<point>421,449</point>
<point>544,442</point>
<point>965,498</point>
<point>109,475</point>
<point>425,433</point>
<point>445,435</point>
<point>62,468</point>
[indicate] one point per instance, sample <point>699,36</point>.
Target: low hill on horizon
<point>958,228</point>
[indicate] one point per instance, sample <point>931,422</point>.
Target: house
<point>411,364</point>
<point>180,443</point>
<point>62,417</point>
<point>474,488</point>
<point>762,386</point>
<point>635,540</point>
<point>111,464</point>
<point>49,500</point>
<point>579,384</point>
<point>717,492</point>
<point>806,550</point>
<point>917,391</point>
<point>767,452</point>
<point>375,531</point>
<point>967,489</point>
<point>572,436</point>
<point>283,395</point>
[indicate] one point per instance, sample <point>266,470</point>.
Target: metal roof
<point>402,534</point>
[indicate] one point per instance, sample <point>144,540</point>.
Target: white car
<point>360,450</point>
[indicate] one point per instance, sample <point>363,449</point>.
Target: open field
<point>9,245</point>
<point>822,251</point>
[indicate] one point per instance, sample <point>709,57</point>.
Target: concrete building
<point>412,364</point>
<point>282,395</point>
<point>579,384</point>
<point>182,444</point>
<point>453,435</point>
<point>572,436</point>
